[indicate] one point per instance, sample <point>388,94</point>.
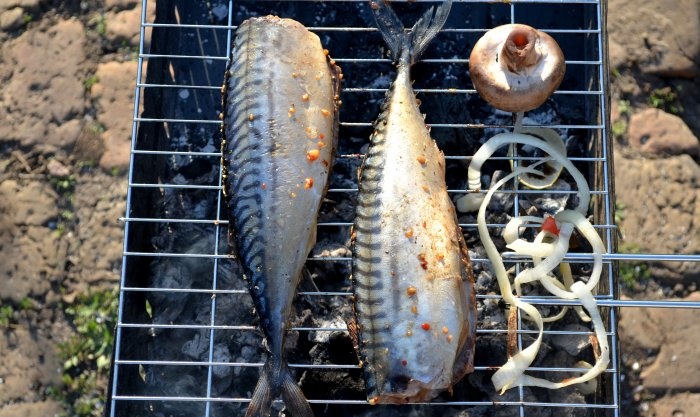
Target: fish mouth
<point>408,391</point>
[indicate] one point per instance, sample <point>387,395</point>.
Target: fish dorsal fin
<point>354,331</point>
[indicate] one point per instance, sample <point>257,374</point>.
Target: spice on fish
<point>311,132</point>
<point>423,262</point>
<point>313,155</point>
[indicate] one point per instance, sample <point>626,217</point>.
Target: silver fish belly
<point>280,129</point>
<point>414,299</point>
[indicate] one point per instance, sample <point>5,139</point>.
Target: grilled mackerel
<point>280,128</point>
<point>415,310</point>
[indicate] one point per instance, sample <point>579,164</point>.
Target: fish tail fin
<point>421,34</point>
<point>270,383</point>
<point>293,398</point>
<point>261,401</point>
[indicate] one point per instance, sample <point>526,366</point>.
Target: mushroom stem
<point>519,51</point>
<point>518,125</point>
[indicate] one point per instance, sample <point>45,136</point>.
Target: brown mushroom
<point>516,67</point>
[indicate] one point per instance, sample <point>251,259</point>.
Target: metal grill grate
<point>186,342</point>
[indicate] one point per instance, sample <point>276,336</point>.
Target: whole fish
<point>280,125</point>
<point>414,301</point>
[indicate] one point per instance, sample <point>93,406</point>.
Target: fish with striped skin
<point>280,125</point>
<point>414,298</point>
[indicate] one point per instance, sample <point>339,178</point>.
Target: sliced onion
<point>470,201</point>
<point>491,251</point>
<point>545,257</point>
<point>554,167</point>
<point>510,232</point>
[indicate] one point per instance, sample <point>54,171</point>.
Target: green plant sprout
<point>666,99</point>
<point>86,354</point>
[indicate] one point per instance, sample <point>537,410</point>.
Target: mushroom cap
<point>516,67</point>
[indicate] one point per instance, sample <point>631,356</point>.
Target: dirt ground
<point>67,71</point>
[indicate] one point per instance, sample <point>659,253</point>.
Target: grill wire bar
<point>171,142</point>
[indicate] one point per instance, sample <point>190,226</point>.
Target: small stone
<point>57,169</point>
<point>24,4</point>
<point>656,132</point>
<point>617,54</point>
<point>675,367</point>
<point>12,19</point>
<point>114,95</point>
<point>41,105</point>
<point>125,25</point>
<point>664,193</point>
<point>677,405</point>
<point>120,4</point>
<point>31,409</point>
<point>661,37</point>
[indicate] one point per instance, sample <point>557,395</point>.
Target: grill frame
<point>602,189</point>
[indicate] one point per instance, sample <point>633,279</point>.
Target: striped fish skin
<point>280,130</point>
<point>414,297</point>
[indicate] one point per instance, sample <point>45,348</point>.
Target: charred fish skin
<point>280,125</point>
<point>414,297</point>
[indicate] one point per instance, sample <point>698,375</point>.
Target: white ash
<point>332,323</point>
<point>195,347</point>
<point>221,354</point>
<point>500,202</point>
<point>548,202</point>
<point>494,315</point>
<point>573,344</point>
<point>483,281</point>
<point>220,10</point>
<point>328,249</point>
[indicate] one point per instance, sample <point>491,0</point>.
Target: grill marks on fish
<point>273,190</point>
<point>368,279</point>
<point>246,158</point>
